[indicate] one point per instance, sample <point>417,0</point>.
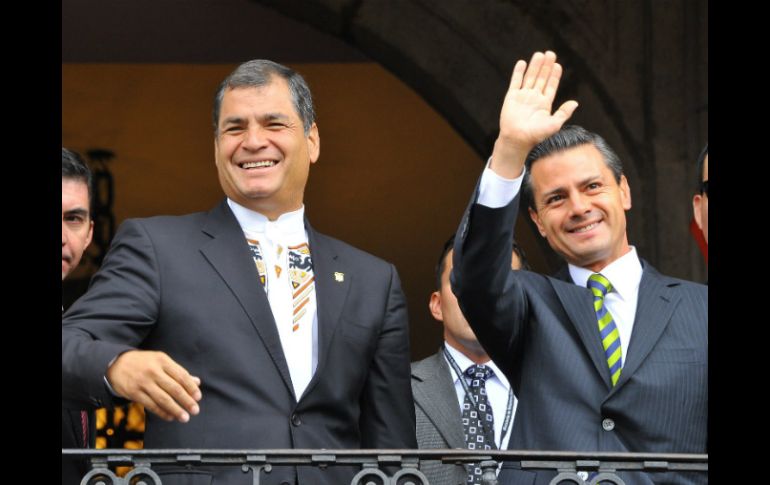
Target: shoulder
<point>650,273</point>
<point>425,366</point>
<point>353,255</point>
<point>166,223</point>
<point>161,230</point>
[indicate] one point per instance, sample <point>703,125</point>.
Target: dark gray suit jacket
<point>438,417</point>
<point>188,286</point>
<point>542,332</point>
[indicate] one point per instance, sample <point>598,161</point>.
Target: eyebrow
<point>582,183</point>
<point>274,117</point>
<point>79,211</point>
<point>264,118</point>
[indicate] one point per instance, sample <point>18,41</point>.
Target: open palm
<point>526,117</point>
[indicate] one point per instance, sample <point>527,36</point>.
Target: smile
<point>585,228</point>
<point>258,164</point>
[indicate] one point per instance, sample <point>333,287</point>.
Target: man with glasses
<point>700,201</point>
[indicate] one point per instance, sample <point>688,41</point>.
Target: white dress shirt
<point>497,393</point>
<point>300,346</point>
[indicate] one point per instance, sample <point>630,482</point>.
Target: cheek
<point>550,223</point>
<point>225,149</point>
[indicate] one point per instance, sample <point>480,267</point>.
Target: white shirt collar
<point>625,274</point>
<point>290,225</point>
<point>464,362</point>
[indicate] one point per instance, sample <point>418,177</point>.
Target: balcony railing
<point>571,467</point>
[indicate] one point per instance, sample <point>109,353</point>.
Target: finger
<point>545,71</point>
<point>534,68</point>
<point>518,74</point>
<point>166,402</point>
<point>180,375</point>
<point>145,400</point>
<point>178,392</point>
<point>553,82</point>
<point>565,111</point>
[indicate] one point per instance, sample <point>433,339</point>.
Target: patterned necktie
<point>301,276</point>
<point>287,276</point>
<point>478,422</point>
<point>302,281</point>
<point>600,286</point>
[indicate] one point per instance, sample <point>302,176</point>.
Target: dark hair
<point>568,137</point>
<point>73,167</point>
<point>701,161</point>
<point>522,256</point>
<point>260,72</point>
<point>449,244</point>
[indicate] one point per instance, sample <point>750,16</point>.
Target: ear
<point>697,201</point>
<point>313,143</point>
<point>625,193</point>
<point>90,234</point>
<point>536,219</point>
<point>434,305</point>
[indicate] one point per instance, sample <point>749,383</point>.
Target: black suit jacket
<point>188,286</point>
<point>542,332</point>
<point>72,437</point>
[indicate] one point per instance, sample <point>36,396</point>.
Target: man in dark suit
<point>621,366</point>
<point>77,229</point>
<point>442,406</point>
<point>243,327</point>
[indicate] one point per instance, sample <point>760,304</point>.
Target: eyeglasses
<point>704,187</point>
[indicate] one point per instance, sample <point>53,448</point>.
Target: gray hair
<point>259,72</point>
<point>568,137</point>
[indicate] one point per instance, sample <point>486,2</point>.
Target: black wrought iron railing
<point>570,467</point>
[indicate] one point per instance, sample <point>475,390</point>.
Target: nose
<point>64,234</point>
<point>254,139</point>
<point>579,203</point>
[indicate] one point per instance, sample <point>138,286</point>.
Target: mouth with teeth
<point>258,164</point>
<point>582,229</point>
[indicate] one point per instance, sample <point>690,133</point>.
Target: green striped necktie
<point>600,286</point>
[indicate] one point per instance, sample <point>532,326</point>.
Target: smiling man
<point>609,355</point>
<point>243,327</point>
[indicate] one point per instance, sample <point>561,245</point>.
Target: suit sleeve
<point>387,409</point>
<point>490,294</point>
<point>113,316</point>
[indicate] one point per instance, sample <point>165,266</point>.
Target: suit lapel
<point>656,304</point>
<point>578,303</point>
<point>434,392</point>
<point>333,279</point>
<point>228,252</point>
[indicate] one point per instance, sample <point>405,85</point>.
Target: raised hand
<point>154,380</point>
<point>526,118</point>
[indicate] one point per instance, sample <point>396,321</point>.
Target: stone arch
<point>639,70</point>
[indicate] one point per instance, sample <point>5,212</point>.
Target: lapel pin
<point>339,277</point>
